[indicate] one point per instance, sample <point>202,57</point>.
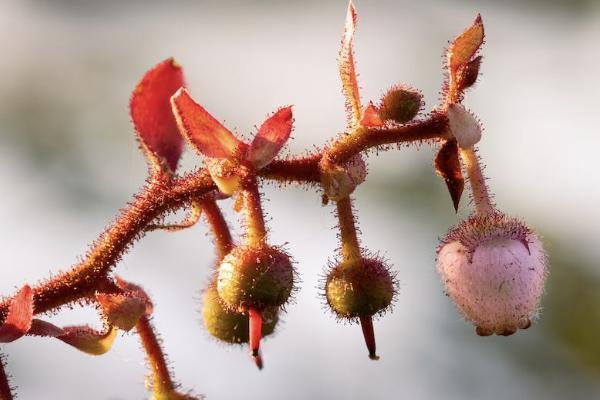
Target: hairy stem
<point>255,222</point>
<point>350,244</point>
<point>219,227</point>
<point>5,391</point>
<point>435,127</point>
<point>84,278</point>
<point>161,377</point>
<point>481,196</point>
<point>163,194</point>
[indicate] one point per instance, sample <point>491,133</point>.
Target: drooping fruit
<point>231,326</point>
<point>255,276</point>
<point>359,288</point>
<point>493,267</point>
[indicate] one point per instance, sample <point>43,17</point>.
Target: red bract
<point>347,69</point>
<point>152,117</point>
<point>20,314</point>
<point>201,129</point>
<point>464,47</point>
<point>213,140</point>
<point>271,137</point>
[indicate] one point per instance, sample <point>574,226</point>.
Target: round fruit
<point>360,288</point>
<point>255,276</point>
<point>231,326</point>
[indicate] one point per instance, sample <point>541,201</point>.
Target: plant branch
<point>164,194</point>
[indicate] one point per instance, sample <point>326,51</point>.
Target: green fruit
<point>360,288</point>
<point>258,276</point>
<point>230,326</point>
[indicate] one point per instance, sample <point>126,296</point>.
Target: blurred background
<point>69,161</point>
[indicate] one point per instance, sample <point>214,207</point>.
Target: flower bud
<point>400,104</point>
<point>493,267</point>
<point>255,276</point>
<point>339,181</point>
<point>359,288</point>
<point>231,326</point>
<point>225,174</point>
<point>464,126</point>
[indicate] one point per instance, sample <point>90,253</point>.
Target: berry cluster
<point>492,266</point>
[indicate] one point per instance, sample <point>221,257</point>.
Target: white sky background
<point>538,102</point>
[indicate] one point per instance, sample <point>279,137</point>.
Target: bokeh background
<point>69,161</point>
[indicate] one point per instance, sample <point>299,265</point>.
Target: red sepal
<point>20,315</point>
<point>271,137</point>
<point>151,113</point>
<point>201,129</point>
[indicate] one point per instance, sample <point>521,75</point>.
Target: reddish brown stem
<point>5,390</point>
<point>255,222</point>
<point>348,236</point>
<point>435,127</point>
<point>303,169</point>
<point>366,323</point>
<point>162,195</point>
<point>161,377</point>
<point>83,280</point>
<point>219,227</point>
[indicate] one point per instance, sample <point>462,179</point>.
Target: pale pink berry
<point>493,268</point>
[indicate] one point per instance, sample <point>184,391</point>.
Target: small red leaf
<point>464,47</point>
<point>447,165</point>
<point>20,314</point>
<point>348,69</point>
<point>88,340</point>
<point>152,116</point>
<point>370,117</point>
<point>271,137</point>
<point>137,291</point>
<point>120,310</point>
<point>469,73</point>
<point>43,328</point>
<point>201,129</point>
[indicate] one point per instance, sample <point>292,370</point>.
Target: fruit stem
<point>255,222</point>
<point>366,323</point>
<point>255,330</point>
<point>479,190</point>
<point>350,244</point>
<point>161,377</point>
<point>219,227</point>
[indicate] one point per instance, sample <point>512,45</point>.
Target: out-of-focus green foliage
<point>572,303</point>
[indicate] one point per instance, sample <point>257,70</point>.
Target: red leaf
<point>370,117</point>
<point>271,137</point>
<point>152,116</point>
<point>43,328</point>
<point>20,314</point>
<point>447,165</point>
<point>89,340</point>
<point>347,69</point>
<point>201,129</point>
<point>137,291</point>
<point>120,310</point>
<point>464,47</point>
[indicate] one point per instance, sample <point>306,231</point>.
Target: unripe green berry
<point>255,276</point>
<point>400,104</point>
<point>359,288</point>
<point>231,326</point>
